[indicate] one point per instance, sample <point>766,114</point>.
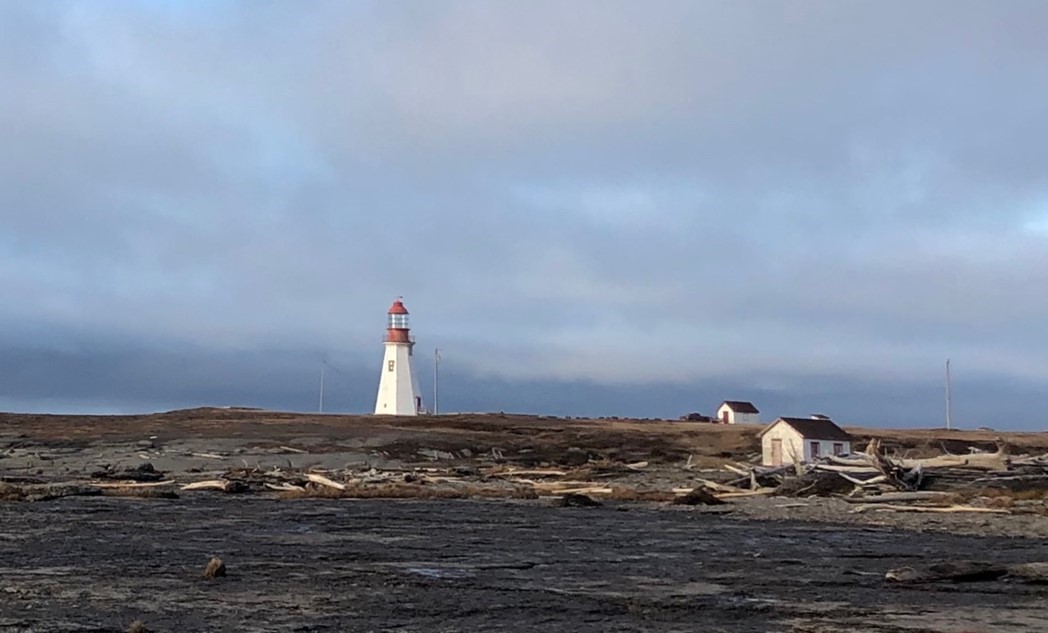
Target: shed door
<point>724,417</point>
<point>776,452</point>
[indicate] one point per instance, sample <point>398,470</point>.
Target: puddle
<point>440,573</point>
<point>277,530</point>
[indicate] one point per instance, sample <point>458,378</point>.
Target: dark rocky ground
<point>97,564</point>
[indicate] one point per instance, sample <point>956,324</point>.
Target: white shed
<point>789,440</point>
<point>738,412</point>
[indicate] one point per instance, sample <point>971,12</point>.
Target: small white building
<point>738,412</point>
<point>792,440</point>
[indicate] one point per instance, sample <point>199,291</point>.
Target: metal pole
<point>436,380</point>
<point>949,422</point>
<point>323,365</point>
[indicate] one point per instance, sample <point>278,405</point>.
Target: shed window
<point>838,448</point>
<point>814,449</point>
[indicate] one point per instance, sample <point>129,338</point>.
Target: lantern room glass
<point>398,321</point>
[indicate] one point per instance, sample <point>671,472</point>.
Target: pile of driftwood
<point>593,480</point>
<point>874,479</point>
<point>238,480</point>
<point>486,481</point>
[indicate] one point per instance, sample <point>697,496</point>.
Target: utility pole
<point>949,421</point>
<point>436,380</point>
<point>323,366</point>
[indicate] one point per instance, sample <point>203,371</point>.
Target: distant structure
<point>398,391</point>
<point>792,440</point>
<point>695,417</point>
<point>738,412</point>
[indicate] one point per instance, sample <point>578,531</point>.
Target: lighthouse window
<point>391,365</point>
<point>398,321</point>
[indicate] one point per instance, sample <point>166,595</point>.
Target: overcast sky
<point>593,207</point>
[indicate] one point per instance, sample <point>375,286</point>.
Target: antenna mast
<point>949,421</point>
<point>323,365</point>
<point>436,380</point>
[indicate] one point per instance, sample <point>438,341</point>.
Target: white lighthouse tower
<point>398,392</point>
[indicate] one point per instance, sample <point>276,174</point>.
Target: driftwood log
<point>1015,483</point>
<point>221,485</point>
<point>887,507</point>
<point>995,461</point>
<point>122,484</point>
<point>285,487</point>
<point>324,481</point>
<point>899,497</point>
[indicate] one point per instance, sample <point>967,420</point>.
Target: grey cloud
<point>138,378</point>
<point>594,192</point>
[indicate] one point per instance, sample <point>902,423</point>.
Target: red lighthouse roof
<point>397,330</point>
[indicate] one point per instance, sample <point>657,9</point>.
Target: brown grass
<point>138,626</point>
<point>931,442</point>
<point>10,492</point>
<point>999,502</point>
<point>1033,494</point>
<point>991,497</point>
<point>215,568</point>
<point>522,439</point>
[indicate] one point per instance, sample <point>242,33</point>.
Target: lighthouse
<point>398,392</point>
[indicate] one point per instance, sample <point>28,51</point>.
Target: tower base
<point>398,391</point>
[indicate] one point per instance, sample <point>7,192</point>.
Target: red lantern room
<point>397,330</point>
